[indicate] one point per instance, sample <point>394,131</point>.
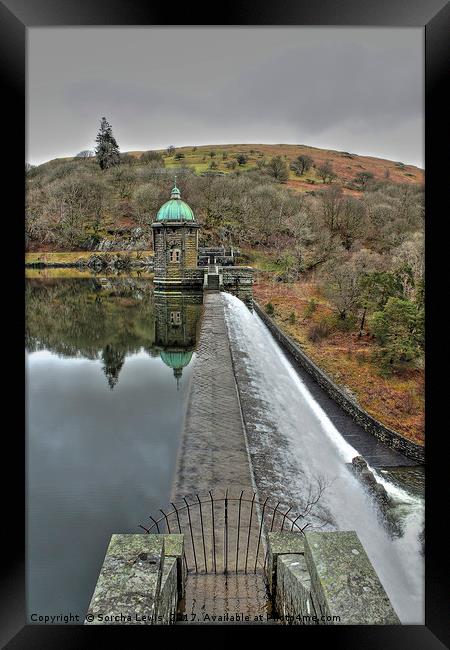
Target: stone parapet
<point>141,581</point>
<point>325,578</point>
<point>343,581</point>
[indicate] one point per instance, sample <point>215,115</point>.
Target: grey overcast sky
<point>352,89</point>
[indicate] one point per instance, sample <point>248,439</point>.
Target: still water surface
<point>108,367</point>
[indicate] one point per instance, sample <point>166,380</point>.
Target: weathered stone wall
<point>141,581</point>
<point>190,278</point>
<point>389,437</point>
<point>182,237</point>
<point>128,587</point>
<point>195,275</point>
<point>293,598</point>
<point>344,583</point>
<point>168,595</point>
<point>159,251</point>
<point>237,276</point>
<point>325,578</point>
<point>173,579</point>
<point>190,248</point>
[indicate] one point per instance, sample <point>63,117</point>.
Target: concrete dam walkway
<point>214,456</point>
<point>213,451</point>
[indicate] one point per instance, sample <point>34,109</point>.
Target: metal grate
<point>225,533</point>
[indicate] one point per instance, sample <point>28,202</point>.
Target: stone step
<point>218,599</point>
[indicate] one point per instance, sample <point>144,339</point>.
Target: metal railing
<point>225,533</point>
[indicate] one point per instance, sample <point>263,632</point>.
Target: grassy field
<point>75,273</point>
<point>67,257</point>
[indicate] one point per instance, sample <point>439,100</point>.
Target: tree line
<point>367,251</point>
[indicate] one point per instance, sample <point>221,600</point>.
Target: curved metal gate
<point>225,533</point>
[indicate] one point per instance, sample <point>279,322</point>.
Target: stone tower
<point>175,244</point>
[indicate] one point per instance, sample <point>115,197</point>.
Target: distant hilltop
<point>223,158</point>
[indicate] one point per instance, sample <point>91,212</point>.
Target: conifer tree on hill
<point>107,149</point>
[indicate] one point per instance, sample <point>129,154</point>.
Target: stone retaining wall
<point>387,436</point>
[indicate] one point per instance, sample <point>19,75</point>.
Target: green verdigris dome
<point>176,360</point>
<point>175,209</point>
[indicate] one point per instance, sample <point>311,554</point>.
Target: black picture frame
<point>434,15</point>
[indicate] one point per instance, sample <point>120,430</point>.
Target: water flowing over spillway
<point>304,445</point>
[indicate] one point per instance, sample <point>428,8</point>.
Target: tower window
<point>175,317</point>
<point>175,255</point>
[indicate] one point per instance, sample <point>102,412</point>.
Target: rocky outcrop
<point>367,478</point>
<point>378,492</point>
<point>126,239</point>
<point>116,262</point>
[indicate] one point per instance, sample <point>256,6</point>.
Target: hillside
<point>345,164</point>
<point>339,264</point>
<point>63,216</point>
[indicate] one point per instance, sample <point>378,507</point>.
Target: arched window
<point>175,255</point>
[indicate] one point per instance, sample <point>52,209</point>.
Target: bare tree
<point>86,153</point>
<point>351,220</point>
<point>301,164</point>
<point>363,179</point>
<point>124,180</point>
<point>326,172</point>
<point>331,202</point>
<point>342,286</point>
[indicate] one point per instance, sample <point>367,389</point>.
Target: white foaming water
<point>316,448</point>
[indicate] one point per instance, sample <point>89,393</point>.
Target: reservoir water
<point>107,367</point>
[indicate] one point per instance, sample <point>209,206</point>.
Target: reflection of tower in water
<point>177,321</point>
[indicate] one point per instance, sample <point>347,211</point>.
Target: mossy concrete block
<point>343,581</point>
<point>293,599</point>
<point>174,547</point>
<point>168,597</point>
<point>129,582</point>
<point>281,544</point>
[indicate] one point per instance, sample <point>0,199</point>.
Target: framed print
<point>232,262</point>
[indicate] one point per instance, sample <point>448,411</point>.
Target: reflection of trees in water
<point>90,318</point>
<point>113,361</point>
<point>109,320</point>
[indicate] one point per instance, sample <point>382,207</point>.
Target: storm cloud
<point>352,89</point>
